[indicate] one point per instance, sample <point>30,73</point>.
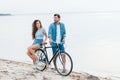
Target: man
<point>57,33</point>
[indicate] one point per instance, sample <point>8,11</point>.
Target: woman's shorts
<point>37,41</point>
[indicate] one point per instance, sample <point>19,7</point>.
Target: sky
<point>43,6</point>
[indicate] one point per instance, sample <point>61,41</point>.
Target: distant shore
<point>12,70</point>
<point>5,14</point>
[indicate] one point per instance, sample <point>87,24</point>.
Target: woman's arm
<point>45,37</point>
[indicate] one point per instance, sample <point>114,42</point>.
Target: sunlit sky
<point>39,6</point>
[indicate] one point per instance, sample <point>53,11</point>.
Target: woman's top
<point>40,33</point>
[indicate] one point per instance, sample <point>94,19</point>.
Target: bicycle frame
<point>56,53</point>
<point>59,59</point>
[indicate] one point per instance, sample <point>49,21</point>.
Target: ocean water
<point>93,40</point>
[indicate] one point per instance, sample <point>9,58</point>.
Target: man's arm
<point>50,33</point>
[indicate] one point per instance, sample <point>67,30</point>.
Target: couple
<point>56,33</point>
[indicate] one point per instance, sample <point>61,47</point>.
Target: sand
<point>12,70</point>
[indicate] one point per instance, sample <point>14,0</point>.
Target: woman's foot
<point>64,71</point>
<point>35,63</point>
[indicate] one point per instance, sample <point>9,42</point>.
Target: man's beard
<point>57,21</point>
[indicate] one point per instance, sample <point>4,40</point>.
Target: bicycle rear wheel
<point>63,64</point>
<point>42,59</point>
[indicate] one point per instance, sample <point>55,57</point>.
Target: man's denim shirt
<point>52,32</point>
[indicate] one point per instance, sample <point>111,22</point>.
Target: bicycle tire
<point>57,64</point>
<point>42,59</point>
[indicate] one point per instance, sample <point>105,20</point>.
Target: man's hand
<point>50,40</point>
<point>44,42</point>
<point>63,40</point>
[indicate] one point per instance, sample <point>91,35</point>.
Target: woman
<point>38,33</point>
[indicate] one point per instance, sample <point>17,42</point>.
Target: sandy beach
<point>12,70</point>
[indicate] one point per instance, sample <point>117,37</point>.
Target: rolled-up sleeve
<point>64,31</point>
<point>50,31</point>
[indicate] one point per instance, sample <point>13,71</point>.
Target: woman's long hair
<point>34,28</point>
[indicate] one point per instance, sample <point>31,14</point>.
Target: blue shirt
<point>40,33</point>
<point>52,32</point>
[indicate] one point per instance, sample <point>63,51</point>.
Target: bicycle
<point>62,61</point>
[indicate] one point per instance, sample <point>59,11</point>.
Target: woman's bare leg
<point>31,53</point>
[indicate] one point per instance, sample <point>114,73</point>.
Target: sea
<point>93,39</point>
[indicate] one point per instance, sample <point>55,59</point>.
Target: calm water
<point>93,40</point>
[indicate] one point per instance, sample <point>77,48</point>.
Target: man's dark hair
<point>57,15</point>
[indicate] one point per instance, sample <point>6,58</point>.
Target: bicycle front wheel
<point>63,64</point>
<point>42,59</point>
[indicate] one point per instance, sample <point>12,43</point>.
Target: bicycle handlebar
<point>58,43</point>
<point>52,46</point>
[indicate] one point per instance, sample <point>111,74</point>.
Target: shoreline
<point>14,70</point>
